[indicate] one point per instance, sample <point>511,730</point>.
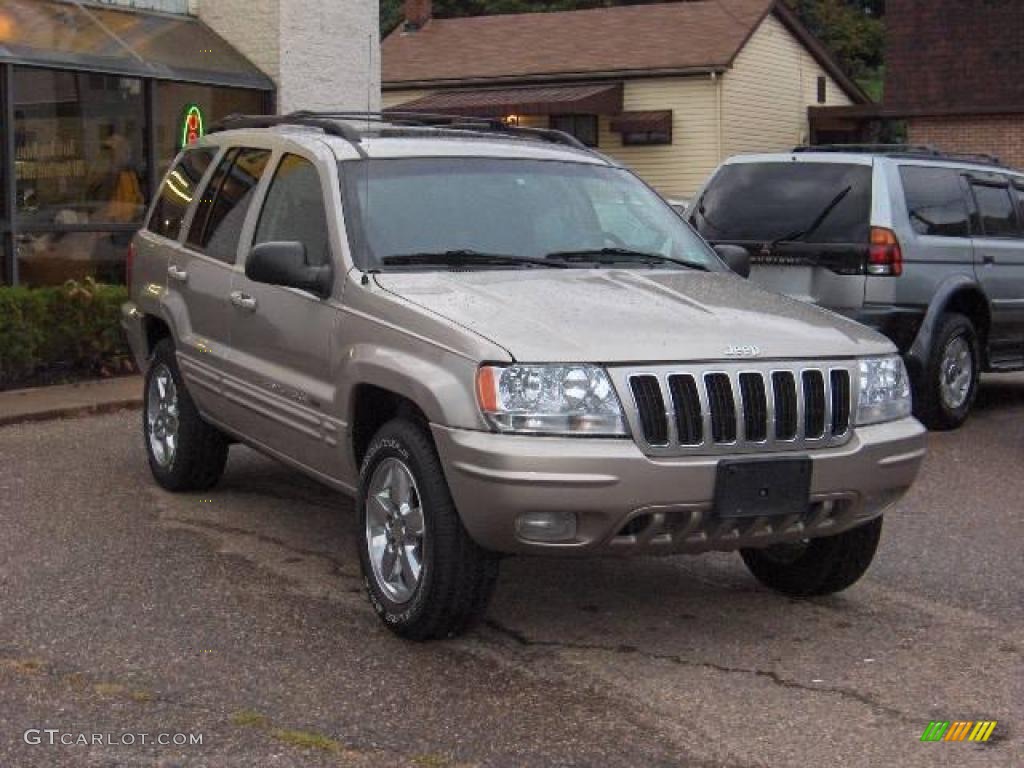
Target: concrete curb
<point>69,401</point>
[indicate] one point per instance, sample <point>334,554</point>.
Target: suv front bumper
<point>629,503</point>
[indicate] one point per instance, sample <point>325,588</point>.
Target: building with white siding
<point>669,89</point>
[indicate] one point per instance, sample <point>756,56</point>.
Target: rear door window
<point>218,221</point>
<point>997,214</point>
<point>935,201</point>
<point>765,202</point>
<point>177,193</point>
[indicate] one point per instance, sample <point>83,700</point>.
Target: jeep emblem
<point>746,350</point>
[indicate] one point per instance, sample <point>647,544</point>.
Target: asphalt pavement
<point>237,616</point>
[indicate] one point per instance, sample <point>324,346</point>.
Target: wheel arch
<point>958,294</point>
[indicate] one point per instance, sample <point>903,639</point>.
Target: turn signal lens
<point>885,258</point>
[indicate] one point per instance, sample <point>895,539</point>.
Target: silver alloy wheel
<point>162,415</point>
<point>956,372</point>
<point>395,533</point>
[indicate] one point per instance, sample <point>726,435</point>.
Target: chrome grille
<point>738,407</point>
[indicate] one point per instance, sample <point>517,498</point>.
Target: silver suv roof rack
<point>921,151</point>
<point>397,123</point>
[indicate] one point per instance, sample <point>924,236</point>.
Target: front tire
<point>185,453</point>
<point>948,385</point>
<point>819,566</point>
<point>425,577</point>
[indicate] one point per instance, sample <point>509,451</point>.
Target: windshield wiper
<point>620,255</point>
<point>463,257</point>
<point>800,234</point>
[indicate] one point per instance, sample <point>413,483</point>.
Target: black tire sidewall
<point>391,442</point>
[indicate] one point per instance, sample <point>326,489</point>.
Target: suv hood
<point>615,316</point>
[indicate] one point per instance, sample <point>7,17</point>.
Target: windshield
<point>766,202</point>
<point>464,210</point>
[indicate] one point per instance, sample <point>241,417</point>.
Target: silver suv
<point>926,248</point>
<point>502,343</point>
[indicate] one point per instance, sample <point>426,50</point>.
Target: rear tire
<point>821,567</point>
<point>425,577</point>
<point>945,392</point>
<point>185,453</point>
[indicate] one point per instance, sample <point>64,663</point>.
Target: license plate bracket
<point>755,487</point>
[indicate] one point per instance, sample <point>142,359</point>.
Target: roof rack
<point>341,124</point>
<point>903,150</point>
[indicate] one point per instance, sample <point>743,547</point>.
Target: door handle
<point>179,275</point>
<point>243,301</point>
<point>988,259</point>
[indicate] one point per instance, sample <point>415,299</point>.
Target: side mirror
<point>285,264</point>
<point>736,257</point>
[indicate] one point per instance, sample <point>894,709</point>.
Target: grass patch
<point>431,761</point>
<point>23,666</point>
<point>308,740</point>
<point>248,718</point>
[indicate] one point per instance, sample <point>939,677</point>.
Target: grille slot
<point>840,401</point>
<point>755,407</point>
<point>686,402</point>
<point>814,404</point>
<point>784,388</point>
<point>650,404</point>
<point>723,407</point>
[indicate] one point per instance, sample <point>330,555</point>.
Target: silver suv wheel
<point>956,372</point>
<point>394,530</point>
<point>162,415</point>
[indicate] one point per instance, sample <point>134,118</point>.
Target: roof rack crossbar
<point>453,122</point>
<point>331,127</point>
<point>339,123</point>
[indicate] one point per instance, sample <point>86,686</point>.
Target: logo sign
<point>960,730</point>
<point>742,350</point>
<point>192,125</point>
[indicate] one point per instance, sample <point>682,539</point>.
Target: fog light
<point>546,526</point>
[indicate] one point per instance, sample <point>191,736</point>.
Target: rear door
<point>282,336</point>
<point>201,270</point>
<point>807,224</point>
<point>999,263</point>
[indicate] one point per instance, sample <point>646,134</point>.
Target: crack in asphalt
<point>337,564</point>
<point>775,678</point>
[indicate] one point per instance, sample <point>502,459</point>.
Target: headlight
<point>550,399</point>
<point>884,390</point>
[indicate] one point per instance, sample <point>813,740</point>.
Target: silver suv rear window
<point>764,202</point>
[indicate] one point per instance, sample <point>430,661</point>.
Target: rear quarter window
<point>178,192</point>
<point>935,201</point>
<point>763,202</point>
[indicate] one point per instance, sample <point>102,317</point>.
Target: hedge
<point>62,333</point>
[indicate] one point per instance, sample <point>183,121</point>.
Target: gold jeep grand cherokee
<point>500,342</point>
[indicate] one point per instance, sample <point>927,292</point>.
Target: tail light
<point>129,261</point>
<point>885,258</point>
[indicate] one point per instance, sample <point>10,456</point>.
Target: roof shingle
<point>692,35</point>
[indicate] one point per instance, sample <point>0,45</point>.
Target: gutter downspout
<point>719,141</point>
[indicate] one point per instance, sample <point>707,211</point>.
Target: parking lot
<point>239,614</point>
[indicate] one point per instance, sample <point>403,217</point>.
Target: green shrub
<point>71,331</point>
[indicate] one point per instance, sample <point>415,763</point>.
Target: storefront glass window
<point>78,148</point>
<point>172,101</point>
<point>52,258</point>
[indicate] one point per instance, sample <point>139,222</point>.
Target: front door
<point>999,265</point>
<point>281,337</point>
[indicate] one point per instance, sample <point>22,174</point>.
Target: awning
<point>603,99</point>
<point>47,33</point>
<point>658,121</point>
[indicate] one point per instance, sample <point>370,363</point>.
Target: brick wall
<point>946,54</point>
<point>1001,135</point>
